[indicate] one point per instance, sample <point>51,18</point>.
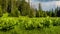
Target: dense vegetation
<point>18,25</point>
<point>16,18</point>
<point>17,8</point>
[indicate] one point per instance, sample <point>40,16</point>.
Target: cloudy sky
<point>45,4</point>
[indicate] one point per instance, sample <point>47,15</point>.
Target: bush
<point>8,23</point>
<point>47,23</point>
<point>5,15</point>
<point>56,22</point>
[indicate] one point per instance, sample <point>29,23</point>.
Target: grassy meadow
<point>26,25</point>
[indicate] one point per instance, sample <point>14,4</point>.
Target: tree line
<point>17,8</point>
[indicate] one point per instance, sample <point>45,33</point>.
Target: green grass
<point>53,30</point>
<point>25,25</point>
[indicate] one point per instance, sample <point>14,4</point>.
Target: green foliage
<point>17,25</point>
<point>28,23</point>
<point>56,22</point>
<point>16,13</point>
<point>7,24</point>
<point>21,7</point>
<point>0,11</point>
<point>5,15</point>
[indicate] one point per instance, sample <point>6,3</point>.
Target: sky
<point>45,4</point>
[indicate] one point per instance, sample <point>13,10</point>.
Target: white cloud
<point>47,5</point>
<point>58,3</point>
<point>29,0</point>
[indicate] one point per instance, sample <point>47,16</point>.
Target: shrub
<point>56,22</point>
<point>8,23</point>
